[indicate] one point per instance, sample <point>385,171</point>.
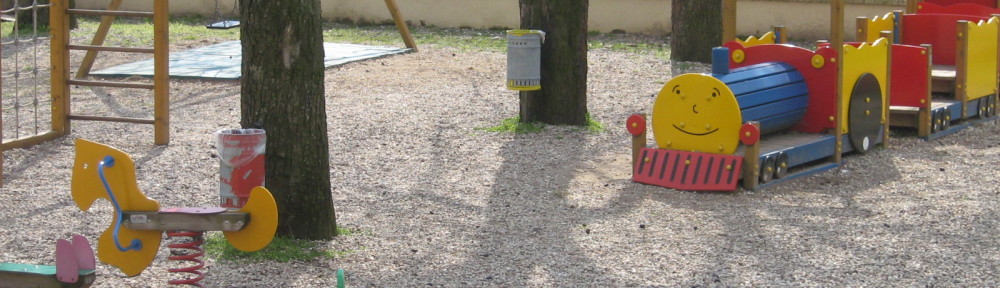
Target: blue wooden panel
<point>807,151</point>
<point>754,71</point>
<point>764,83</point>
<point>774,108</point>
<point>778,122</point>
<point>750,100</point>
<point>972,110</point>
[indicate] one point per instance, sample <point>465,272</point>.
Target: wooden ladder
<point>61,80</point>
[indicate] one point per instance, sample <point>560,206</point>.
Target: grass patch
<point>280,250</point>
<point>516,126</point>
<point>138,32</point>
<point>594,126</point>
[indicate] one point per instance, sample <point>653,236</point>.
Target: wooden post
<point>101,34</point>
<point>888,89</point>
<point>962,66</point>
<point>404,31</point>
<point>161,72</point>
<point>729,20</point>
<point>638,142</point>
<point>924,114</point>
<point>837,43</point>
<point>911,6</point>
<point>861,32</point>
<point>751,163</point>
<point>780,35</point>
<point>59,23</point>
<point>1,121</point>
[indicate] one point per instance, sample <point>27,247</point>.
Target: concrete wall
<point>805,20</point>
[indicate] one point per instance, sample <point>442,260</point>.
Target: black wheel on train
<point>946,119</point>
<point>767,169</point>
<point>936,121</point>
<point>992,106</point>
<point>864,113</point>
<point>984,107</point>
<point>781,166</point>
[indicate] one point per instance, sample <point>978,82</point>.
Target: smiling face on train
<point>696,112</point>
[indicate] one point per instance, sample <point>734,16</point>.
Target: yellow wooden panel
<point>259,232</point>
<point>868,58</point>
<point>877,25</point>
<point>981,59</point>
<point>87,187</point>
<point>696,112</point>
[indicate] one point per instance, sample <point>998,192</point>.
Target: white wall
<point>808,20</point>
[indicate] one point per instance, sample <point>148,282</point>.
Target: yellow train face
<point>696,112</point>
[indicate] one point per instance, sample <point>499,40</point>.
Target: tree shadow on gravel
<point>839,227</point>
<point>528,231</point>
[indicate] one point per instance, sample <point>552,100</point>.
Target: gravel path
<point>433,200</point>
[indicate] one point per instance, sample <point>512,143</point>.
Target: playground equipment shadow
<point>435,200</point>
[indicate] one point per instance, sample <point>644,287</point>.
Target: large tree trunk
<point>282,92</point>
<point>697,28</point>
<point>563,98</point>
<point>26,18</point>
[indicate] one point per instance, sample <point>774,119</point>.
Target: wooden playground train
<point>771,111</point>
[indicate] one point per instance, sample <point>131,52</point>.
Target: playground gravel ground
<point>431,199</point>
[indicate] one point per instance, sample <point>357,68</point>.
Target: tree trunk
<point>697,28</point>
<point>563,98</point>
<point>282,92</point>
<point>26,18</point>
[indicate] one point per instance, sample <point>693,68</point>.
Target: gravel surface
<point>433,200</point>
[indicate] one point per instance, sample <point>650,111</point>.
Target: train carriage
<point>767,112</point>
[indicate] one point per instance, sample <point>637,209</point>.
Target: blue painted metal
<point>720,61</point>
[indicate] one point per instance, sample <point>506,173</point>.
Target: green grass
<point>280,250</point>
<point>514,125</point>
<point>138,32</point>
<point>594,126</point>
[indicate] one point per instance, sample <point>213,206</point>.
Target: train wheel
<point>946,119</point>
<point>984,107</point>
<point>992,106</point>
<point>936,121</point>
<point>864,114</point>
<point>781,166</point>
<point>767,169</point>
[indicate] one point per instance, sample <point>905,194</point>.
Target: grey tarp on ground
<point>222,61</point>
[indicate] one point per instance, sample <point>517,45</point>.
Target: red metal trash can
<point>241,164</point>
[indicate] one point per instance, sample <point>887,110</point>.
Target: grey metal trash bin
<point>524,59</point>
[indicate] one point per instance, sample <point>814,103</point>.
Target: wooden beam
<point>101,34</point>
<point>911,6</point>
<point>837,43</point>
<point>924,116</point>
<point>728,20</point>
<point>404,31</point>
<point>59,57</point>
<point>161,72</point>
<point>751,163</point>
<point>780,34</point>
<point>888,89</point>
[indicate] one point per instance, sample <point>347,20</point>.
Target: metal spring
<point>187,251</point>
